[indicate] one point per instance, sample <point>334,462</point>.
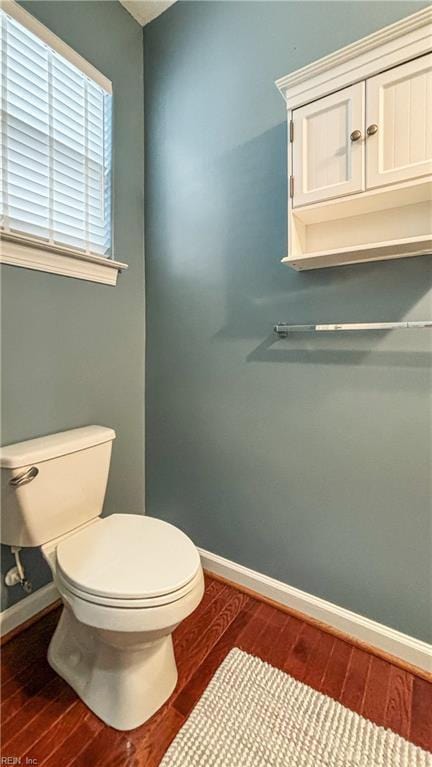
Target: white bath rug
<point>253,715</point>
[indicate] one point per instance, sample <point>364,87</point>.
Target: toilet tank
<point>52,485</point>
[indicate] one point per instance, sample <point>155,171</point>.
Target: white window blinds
<point>55,160</point>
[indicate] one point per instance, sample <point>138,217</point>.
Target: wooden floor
<point>43,719</point>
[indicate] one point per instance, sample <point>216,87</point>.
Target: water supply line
<point>17,574</point>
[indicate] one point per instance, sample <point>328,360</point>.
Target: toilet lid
<point>128,556</point>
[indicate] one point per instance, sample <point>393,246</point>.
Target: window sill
<point>58,260</point>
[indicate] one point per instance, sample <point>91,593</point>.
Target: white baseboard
<point>384,638</point>
<point>21,612</point>
<point>409,649</point>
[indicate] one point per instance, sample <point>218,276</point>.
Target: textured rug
<point>253,715</point>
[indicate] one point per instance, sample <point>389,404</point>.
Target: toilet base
<point>123,685</point>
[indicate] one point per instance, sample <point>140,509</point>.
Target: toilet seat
<point>133,618</point>
<point>67,590</point>
<point>128,560</point>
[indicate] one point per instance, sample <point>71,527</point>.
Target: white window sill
<point>58,260</point>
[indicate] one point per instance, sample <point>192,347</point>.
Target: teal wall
<point>73,351</point>
<point>306,459</point>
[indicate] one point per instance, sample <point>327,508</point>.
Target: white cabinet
<point>371,134</point>
<point>328,151</point>
<point>399,111</point>
<point>360,150</point>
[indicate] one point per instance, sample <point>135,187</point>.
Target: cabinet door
<point>399,123</point>
<point>328,146</point>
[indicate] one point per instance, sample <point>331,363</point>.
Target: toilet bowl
<point>126,581</point>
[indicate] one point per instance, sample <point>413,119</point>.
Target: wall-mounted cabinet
<point>360,153</point>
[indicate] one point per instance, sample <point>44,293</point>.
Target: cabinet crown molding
<point>392,45</point>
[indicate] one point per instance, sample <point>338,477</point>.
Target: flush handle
<point>25,477</point>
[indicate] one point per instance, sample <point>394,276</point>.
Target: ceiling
<point>146,10</point>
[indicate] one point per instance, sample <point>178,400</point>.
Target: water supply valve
<point>16,575</point>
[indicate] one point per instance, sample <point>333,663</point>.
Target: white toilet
<point>126,581</point>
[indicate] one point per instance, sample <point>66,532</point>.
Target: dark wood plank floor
<point>44,720</point>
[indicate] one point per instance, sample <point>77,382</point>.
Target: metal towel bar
<point>282,329</point>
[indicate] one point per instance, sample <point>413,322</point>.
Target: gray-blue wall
<point>72,351</point>
<point>305,459</point>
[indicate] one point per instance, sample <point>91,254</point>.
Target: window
<point>55,169</point>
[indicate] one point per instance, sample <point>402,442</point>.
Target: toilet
<point>126,581</point>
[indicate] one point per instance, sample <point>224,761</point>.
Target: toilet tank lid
<point>53,446</point>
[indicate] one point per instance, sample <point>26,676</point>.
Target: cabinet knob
<point>372,129</point>
<point>356,135</point>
